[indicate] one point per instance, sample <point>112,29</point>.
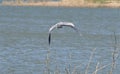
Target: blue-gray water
<point>24,39</point>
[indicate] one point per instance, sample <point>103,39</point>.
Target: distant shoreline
<point>60,4</point>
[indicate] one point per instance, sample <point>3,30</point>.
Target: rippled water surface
<point>24,40</point>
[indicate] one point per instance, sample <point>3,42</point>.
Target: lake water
<point>24,40</point>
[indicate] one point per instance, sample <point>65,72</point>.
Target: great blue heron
<point>60,25</point>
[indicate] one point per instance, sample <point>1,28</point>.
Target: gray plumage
<point>60,25</point>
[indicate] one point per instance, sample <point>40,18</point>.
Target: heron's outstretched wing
<point>53,27</point>
<point>50,30</point>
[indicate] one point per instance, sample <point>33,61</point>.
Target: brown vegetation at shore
<point>67,3</point>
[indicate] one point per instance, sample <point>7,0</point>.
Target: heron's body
<point>60,25</point>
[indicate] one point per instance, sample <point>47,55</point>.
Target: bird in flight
<point>60,25</point>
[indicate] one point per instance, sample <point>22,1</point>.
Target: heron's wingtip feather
<point>49,38</point>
